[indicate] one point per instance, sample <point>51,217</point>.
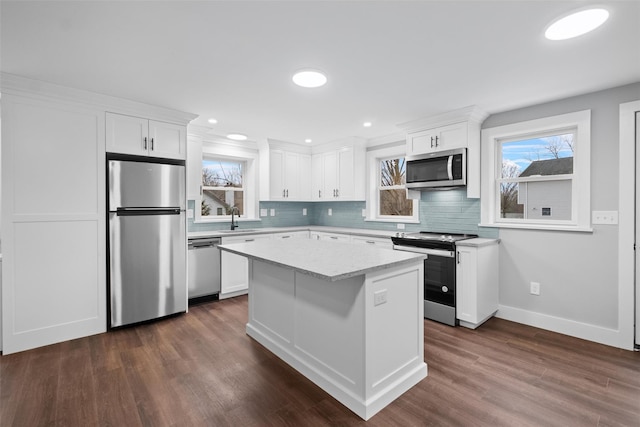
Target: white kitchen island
<point>348,317</point>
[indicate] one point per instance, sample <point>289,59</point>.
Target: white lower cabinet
<point>234,269</point>
<point>374,241</point>
<point>477,281</point>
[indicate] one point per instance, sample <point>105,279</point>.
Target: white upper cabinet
<point>437,139</point>
<point>454,129</point>
<point>338,173</point>
<point>289,176</point>
<point>144,137</point>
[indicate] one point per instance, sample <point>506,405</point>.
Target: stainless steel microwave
<point>439,170</point>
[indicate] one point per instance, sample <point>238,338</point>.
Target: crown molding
<point>471,113</point>
<point>12,84</point>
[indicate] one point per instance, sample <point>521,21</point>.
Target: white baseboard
<point>611,337</point>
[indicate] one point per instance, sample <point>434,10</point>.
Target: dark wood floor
<point>201,369</point>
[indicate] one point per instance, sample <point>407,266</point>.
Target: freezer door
<point>145,185</point>
<point>147,273</point>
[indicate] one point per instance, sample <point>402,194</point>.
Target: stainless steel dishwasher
<point>204,268</point>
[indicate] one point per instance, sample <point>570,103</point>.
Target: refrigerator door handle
<point>147,211</point>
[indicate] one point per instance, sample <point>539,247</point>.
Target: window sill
<point>222,220</point>
<point>542,227</point>
<point>395,220</point>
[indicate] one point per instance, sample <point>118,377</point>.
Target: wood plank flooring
<point>201,369</point>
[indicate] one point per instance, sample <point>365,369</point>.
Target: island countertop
<point>325,260</point>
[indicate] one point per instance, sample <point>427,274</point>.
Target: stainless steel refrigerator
<point>146,240</point>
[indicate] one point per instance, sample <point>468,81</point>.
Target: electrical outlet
<point>364,213</point>
<point>535,288</point>
<point>330,212</point>
<point>304,211</point>
<point>273,212</point>
<point>263,212</point>
<point>380,297</point>
<point>604,217</point>
<point>400,226</point>
<point>189,213</point>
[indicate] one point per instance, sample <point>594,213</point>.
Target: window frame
<point>492,139</point>
<point>243,166</point>
<point>374,158</point>
<point>250,183</point>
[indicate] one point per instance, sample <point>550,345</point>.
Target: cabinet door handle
<point>436,141</point>
<point>319,194</point>
<point>249,240</point>
<point>286,237</point>
<point>333,237</point>
<point>431,142</point>
<point>458,257</point>
<point>287,193</point>
<point>370,242</point>
<point>151,144</point>
<point>145,142</point>
<point>283,194</point>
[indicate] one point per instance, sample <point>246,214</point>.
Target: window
<point>222,187</point>
<point>392,194</point>
<point>387,195</point>
<point>536,173</point>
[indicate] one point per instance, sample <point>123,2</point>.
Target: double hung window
<point>536,173</point>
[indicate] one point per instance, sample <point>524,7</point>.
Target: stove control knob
<point>445,289</point>
<point>402,234</point>
<point>443,237</point>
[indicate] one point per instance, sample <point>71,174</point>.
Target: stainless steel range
<point>439,270</point>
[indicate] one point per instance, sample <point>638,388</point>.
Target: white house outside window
<point>222,187</point>
<point>536,173</point>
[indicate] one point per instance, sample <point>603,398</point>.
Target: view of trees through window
<point>222,187</point>
<point>523,194</point>
<point>393,197</point>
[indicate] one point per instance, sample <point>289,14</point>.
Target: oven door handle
<point>434,252</point>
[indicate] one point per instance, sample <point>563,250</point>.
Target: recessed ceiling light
<point>576,24</point>
<point>367,124</point>
<point>309,78</point>
<point>237,136</point>
<point>212,121</point>
<point>308,141</point>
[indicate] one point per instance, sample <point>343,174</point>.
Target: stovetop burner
<point>430,239</point>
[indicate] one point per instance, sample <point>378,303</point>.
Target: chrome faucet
<point>234,210</point>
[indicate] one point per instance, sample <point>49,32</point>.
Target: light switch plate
<point>604,217</point>
<point>189,213</point>
<point>330,212</point>
<point>364,212</point>
<point>273,212</point>
<point>304,211</point>
<point>263,212</point>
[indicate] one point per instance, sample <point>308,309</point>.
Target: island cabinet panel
<point>360,338</point>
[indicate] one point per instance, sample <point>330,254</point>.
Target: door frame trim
<point>626,226</point>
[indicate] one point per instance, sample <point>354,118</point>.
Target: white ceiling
<point>388,62</point>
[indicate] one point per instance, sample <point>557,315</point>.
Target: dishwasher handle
<point>203,243</point>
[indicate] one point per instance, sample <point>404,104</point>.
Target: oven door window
<point>440,280</point>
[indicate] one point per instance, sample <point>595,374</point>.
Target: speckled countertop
<point>478,242</point>
<point>270,230</point>
<point>327,260</point>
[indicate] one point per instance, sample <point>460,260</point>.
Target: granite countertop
<point>477,242</point>
<point>270,230</point>
<point>327,260</point>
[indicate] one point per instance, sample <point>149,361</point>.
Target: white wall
<point>578,272</point>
